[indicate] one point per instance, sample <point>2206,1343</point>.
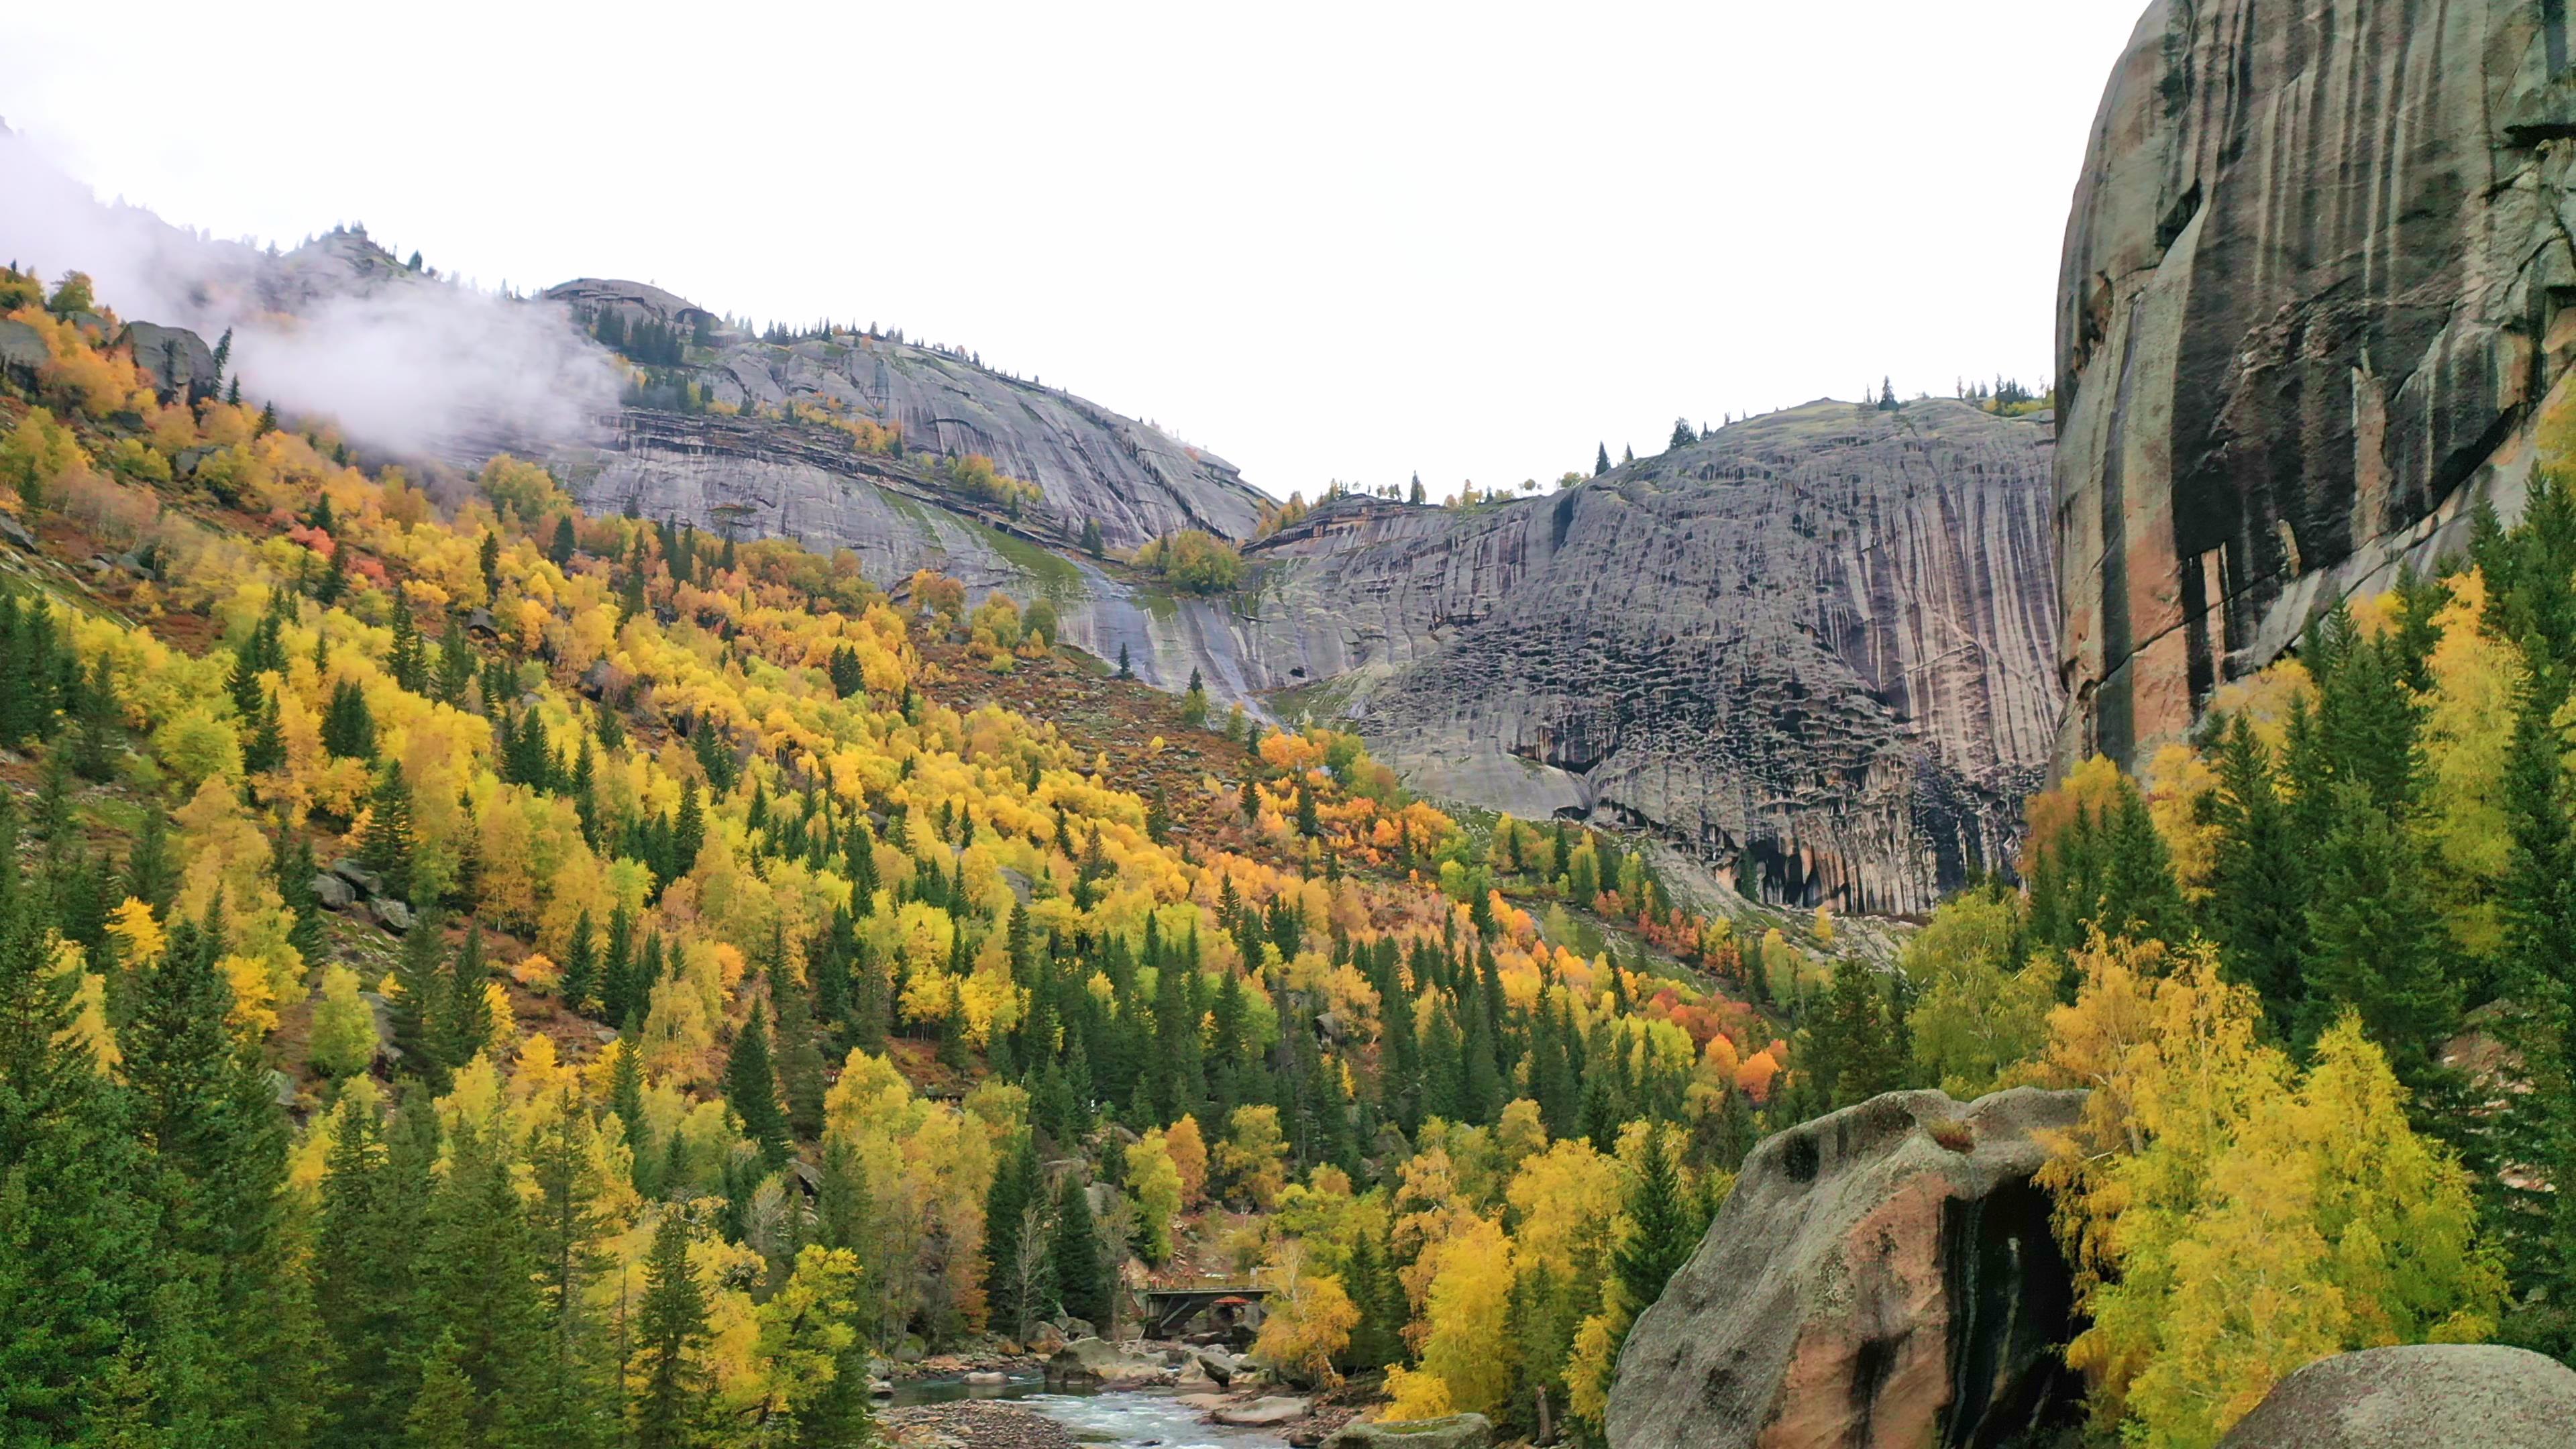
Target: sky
<point>1326,241</point>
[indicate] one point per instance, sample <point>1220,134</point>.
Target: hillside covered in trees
<point>473,972</point>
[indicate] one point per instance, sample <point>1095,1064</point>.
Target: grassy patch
<point>1055,577</point>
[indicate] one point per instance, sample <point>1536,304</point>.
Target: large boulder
<point>178,361</point>
<point>1096,1363</point>
<point>2312,298</point>
<point>1883,1275</point>
<point>2423,1396</point>
<point>1458,1431</point>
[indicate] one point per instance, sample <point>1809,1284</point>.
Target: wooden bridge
<point>1225,1306</point>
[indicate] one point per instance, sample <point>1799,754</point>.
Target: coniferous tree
<point>751,1089</point>
<point>1081,1275</point>
<point>78,1273</point>
<point>1015,1281</point>
<point>479,1272</point>
<point>420,1005</point>
<point>386,848</point>
<point>670,1332</point>
<point>800,1060</point>
<point>233,1350</point>
<point>559,551</point>
<point>348,727</point>
<point>580,983</point>
<point>465,1025</point>
<point>1601,463</point>
<point>1664,1225</point>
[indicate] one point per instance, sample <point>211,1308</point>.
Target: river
<point>1132,1418</point>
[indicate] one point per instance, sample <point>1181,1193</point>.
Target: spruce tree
<point>580,983</point>
<point>2378,943</point>
<point>465,1027</point>
<point>387,846</point>
<point>2259,887</point>
<point>751,1089</point>
<point>800,1060</point>
<point>81,1232</point>
<point>670,1332</point>
<point>1601,463</point>
<point>479,1283</point>
<point>1081,1277</point>
<point>1664,1226</point>
<point>420,1005</point>
<point>233,1322</point>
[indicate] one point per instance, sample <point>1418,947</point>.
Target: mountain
<point>1811,651</point>
<point>1089,464</point>
<point>2308,316</point>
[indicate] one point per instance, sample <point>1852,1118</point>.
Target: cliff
<point>1811,650</point>
<point>1088,463</point>
<point>2309,305</point>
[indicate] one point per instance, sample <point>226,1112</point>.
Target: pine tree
<point>487,559</point>
<point>671,1329</point>
<point>559,552</point>
<point>1092,543</point>
<point>1015,1282</point>
<point>1664,1223</point>
<point>363,1282</point>
<point>233,1324</point>
<point>387,847</point>
<point>751,1089</point>
<point>80,1263</point>
<point>800,1060</point>
<point>1601,463</point>
<point>1126,670</point>
<point>580,984</point>
<point>465,1024</point>
<point>420,1005</point>
<point>479,1272</point>
<point>2258,878</point>
<point>2378,941</point>
<point>568,1225</point>
<point>1081,1277</point>
<point>348,727</point>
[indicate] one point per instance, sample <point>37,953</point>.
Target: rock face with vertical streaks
<point>2310,306</point>
<point>1885,1276</point>
<point>1811,650</point>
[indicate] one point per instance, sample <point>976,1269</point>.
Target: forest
<point>477,973</point>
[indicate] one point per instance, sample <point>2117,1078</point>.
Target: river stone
<point>1457,1431</point>
<point>1882,1275</point>
<point>1264,1412</point>
<point>2421,1396</point>
<point>1092,1361</point>
<point>2309,311</point>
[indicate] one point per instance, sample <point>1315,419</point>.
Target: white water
<point>1130,1418</point>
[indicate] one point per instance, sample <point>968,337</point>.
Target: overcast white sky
<point>1327,241</point>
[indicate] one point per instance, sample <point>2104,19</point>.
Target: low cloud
<point>405,363</point>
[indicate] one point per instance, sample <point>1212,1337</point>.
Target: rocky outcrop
<point>1812,650</point>
<point>178,360</point>
<point>2310,302</point>
<point>1089,463</point>
<point>1457,1431</point>
<point>1884,1276</point>
<point>2422,1396</point>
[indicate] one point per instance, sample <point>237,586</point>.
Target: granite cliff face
<point>1089,464</point>
<point>2310,305</point>
<point>1811,651</point>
